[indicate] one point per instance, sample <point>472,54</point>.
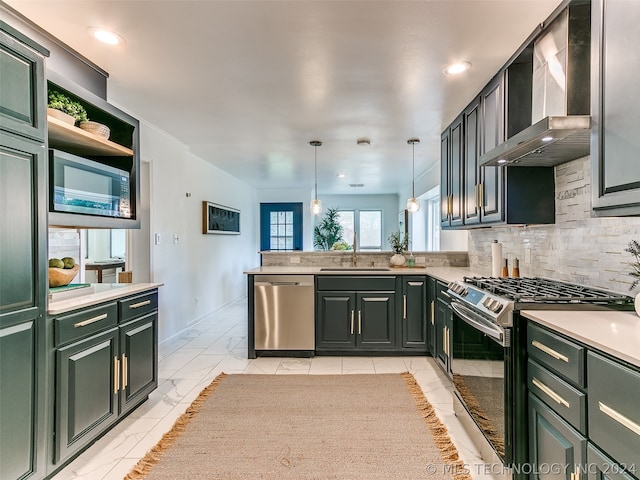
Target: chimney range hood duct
<point>549,142</point>
<point>560,129</point>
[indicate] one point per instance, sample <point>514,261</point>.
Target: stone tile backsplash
<point>365,259</point>
<point>578,248</point>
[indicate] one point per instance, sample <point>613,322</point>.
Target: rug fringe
<point>439,432</point>
<point>144,466</point>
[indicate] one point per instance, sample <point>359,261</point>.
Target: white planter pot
<point>637,303</point>
<point>397,260</point>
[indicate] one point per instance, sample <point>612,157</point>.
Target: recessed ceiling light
<point>456,68</point>
<point>363,141</point>
<point>547,138</point>
<point>106,36</point>
<point>341,175</point>
<point>502,160</point>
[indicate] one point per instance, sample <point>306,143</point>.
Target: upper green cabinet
<point>22,109</point>
<point>615,143</point>
<point>452,174</point>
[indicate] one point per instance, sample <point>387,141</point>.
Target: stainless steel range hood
<point>549,142</point>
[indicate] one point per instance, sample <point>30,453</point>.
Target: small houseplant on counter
<point>398,245</point>
<point>328,232</point>
<point>634,249</point>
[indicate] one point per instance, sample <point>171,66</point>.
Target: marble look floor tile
<point>199,366</point>
<point>326,366</point>
<point>263,365</point>
<point>389,365</point>
<point>179,359</point>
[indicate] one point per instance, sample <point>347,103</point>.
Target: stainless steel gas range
<point>488,358</point>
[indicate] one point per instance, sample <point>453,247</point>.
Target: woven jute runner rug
<point>303,427</point>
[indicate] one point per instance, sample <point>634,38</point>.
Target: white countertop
<point>97,293</point>
<point>616,333</point>
<point>446,274</point>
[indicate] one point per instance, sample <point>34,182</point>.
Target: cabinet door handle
<point>139,304</point>
<point>549,392</point>
<point>575,476</point>
<point>481,195</point>
<point>415,284</point>
<point>448,344</point>
<point>550,351</point>
<point>433,316</point>
<point>476,190</point>
<point>359,322</point>
<point>620,418</point>
<point>404,307</point>
<point>125,377</point>
<point>444,341</point>
<point>116,375</point>
<point>89,321</point>
<point>351,322</point>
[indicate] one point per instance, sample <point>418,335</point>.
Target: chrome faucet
<point>354,256</point>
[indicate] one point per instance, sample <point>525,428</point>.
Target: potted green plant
<point>398,245</point>
<point>634,249</point>
<point>328,232</point>
<point>62,107</point>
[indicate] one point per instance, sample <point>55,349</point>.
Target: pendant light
<point>316,205</point>
<point>412,204</point>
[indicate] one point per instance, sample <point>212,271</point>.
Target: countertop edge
<point>617,335</point>
<point>82,301</point>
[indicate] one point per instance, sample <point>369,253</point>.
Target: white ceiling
<point>247,84</point>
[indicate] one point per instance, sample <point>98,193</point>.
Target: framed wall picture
<point>220,219</point>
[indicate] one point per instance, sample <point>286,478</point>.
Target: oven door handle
<point>477,322</point>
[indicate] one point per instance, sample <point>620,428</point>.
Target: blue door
<point>280,226</point>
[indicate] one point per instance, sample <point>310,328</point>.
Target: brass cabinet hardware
<point>549,392</point>
<point>481,196</point>
<point>620,418</point>
<point>89,321</point>
<point>550,351</point>
<point>351,322</point>
<point>404,307</point>
<point>575,476</point>
<point>415,284</point>
<point>476,189</point>
<point>140,304</point>
<point>359,322</point>
<point>116,375</point>
<point>125,378</point>
<point>433,316</point>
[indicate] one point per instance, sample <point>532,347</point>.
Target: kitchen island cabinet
<point>415,333</point>
<point>23,251</point>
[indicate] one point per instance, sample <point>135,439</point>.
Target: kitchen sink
<point>354,269</point>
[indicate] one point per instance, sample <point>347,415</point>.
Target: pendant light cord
<point>315,167</point>
<point>413,171</point>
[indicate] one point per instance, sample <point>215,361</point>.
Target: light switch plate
<point>157,239</point>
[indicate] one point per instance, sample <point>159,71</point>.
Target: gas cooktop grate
<point>543,290</point>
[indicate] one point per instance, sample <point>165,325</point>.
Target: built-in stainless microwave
<point>83,186</point>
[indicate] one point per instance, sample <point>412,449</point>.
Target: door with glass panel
<point>280,226</point>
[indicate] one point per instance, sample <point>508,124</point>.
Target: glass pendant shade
<point>316,207</point>
<point>413,205</point>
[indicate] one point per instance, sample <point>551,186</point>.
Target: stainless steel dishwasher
<point>284,312</point>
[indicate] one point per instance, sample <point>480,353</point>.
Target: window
<point>280,226</point>
<point>369,228</point>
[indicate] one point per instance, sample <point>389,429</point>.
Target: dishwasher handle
<point>277,284</point>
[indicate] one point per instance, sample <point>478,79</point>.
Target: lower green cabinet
<point>139,360</point>
<point>601,467</point>
<point>355,320</point>
<point>443,327</point>
<point>556,450</point>
<point>431,320</point>
<point>414,313</point>
<point>87,390</point>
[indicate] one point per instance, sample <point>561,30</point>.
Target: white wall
<point>201,273</point>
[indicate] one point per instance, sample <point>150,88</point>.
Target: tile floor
<point>217,345</point>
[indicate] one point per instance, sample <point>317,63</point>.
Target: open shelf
<point>76,140</point>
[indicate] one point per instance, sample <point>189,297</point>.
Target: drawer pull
<point>553,395</point>
<point>89,321</point>
<point>415,284</point>
<point>359,322</point>
<point>618,417</point>
<point>433,316</point>
<point>550,351</point>
<point>140,304</point>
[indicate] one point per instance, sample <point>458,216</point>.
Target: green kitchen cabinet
<point>601,467</point>
<point>431,321</point>
<point>553,443</point>
<point>139,360</point>
<point>23,274</point>
<point>22,99</point>
<point>452,174</point>
<point>443,328</point>
<point>615,144</point>
<point>415,309</point>
<point>355,321</point>
<point>87,377</point>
